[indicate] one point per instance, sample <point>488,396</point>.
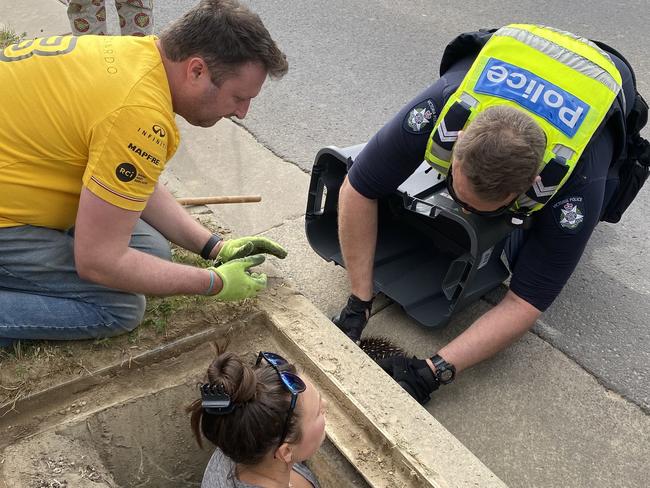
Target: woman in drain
<point>264,420</point>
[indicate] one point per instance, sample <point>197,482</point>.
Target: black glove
<point>354,317</point>
<point>412,374</point>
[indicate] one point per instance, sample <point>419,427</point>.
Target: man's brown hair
<point>500,152</point>
<point>225,34</point>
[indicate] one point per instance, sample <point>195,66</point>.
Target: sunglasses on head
<point>469,208</point>
<point>291,382</point>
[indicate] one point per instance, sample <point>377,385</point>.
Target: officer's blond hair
<point>500,152</point>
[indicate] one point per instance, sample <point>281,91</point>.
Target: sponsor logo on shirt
<point>109,56</point>
<point>126,172</point>
<point>151,136</point>
<point>159,131</point>
<point>144,154</point>
<point>559,107</point>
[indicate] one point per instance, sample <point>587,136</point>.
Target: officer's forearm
<point>358,238</point>
<point>493,331</point>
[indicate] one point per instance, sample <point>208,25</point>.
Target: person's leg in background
<point>87,17</point>
<point>136,17</point>
<point>42,297</point>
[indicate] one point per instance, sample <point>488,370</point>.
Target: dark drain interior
<point>144,442</point>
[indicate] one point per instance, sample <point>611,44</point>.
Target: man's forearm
<point>358,238</point>
<point>492,332</point>
<point>169,218</point>
<point>138,272</point>
<point>102,254</point>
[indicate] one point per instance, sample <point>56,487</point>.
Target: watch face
<point>446,375</point>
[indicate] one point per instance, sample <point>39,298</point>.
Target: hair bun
<point>238,378</point>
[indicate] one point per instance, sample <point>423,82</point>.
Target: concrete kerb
<point>417,449</point>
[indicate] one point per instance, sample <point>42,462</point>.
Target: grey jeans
<point>42,297</point>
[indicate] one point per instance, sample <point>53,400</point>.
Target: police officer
<point>524,120</point>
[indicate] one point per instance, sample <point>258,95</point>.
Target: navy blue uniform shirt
<point>553,246</point>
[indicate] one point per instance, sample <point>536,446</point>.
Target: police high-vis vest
<point>566,83</point>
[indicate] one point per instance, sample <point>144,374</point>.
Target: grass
<point>159,312</point>
<point>32,364</point>
<point>8,36</point>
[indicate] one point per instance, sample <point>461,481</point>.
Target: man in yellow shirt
<point>86,127</point>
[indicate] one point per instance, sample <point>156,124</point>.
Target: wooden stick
<point>218,200</point>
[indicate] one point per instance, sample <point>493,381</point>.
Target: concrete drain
<point>144,442</point>
<point>125,425</point>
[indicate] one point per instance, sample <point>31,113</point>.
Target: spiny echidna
<point>380,348</point>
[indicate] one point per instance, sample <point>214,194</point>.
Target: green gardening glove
<point>245,246</point>
<point>238,283</point>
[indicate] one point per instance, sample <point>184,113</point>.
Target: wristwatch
<point>209,246</point>
<point>445,372</point>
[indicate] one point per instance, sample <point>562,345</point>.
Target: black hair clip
<point>215,400</point>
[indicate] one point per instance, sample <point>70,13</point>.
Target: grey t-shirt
<point>220,473</point>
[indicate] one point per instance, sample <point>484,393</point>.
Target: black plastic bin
<point>432,258</point>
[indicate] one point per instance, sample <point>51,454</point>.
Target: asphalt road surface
<point>354,63</point>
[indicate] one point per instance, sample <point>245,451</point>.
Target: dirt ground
<point>59,462</point>
<point>32,367</point>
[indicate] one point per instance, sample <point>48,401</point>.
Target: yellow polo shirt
<point>91,111</point>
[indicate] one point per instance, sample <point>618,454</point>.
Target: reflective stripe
<point>562,55</point>
<point>526,202</point>
<point>584,40</point>
<point>563,152</point>
<point>438,168</point>
<point>440,153</point>
<point>468,100</point>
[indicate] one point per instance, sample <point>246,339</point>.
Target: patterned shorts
<point>89,17</point>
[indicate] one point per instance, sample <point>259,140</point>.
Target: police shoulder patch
<point>420,118</point>
<point>569,213</point>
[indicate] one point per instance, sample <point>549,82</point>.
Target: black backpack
<point>632,159</point>
<point>632,166</point>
